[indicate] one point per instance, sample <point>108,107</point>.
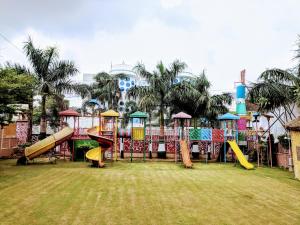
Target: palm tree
<point>192,96</point>
<point>52,75</point>
<point>277,91</point>
<point>160,83</point>
<point>130,107</point>
<point>107,88</point>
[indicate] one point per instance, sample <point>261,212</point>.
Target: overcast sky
<point>221,37</point>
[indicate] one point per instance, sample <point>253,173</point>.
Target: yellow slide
<point>48,143</point>
<point>240,155</point>
<point>105,143</point>
<point>185,153</point>
<point>95,154</point>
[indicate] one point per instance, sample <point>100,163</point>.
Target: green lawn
<point>146,193</point>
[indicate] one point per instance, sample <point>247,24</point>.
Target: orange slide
<point>95,154</point>
<point>185,153</point>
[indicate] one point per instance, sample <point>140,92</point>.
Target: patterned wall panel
<point>21,131</point>
<point>206,134</point>
<point>195,134</point>
<point>218,135</point>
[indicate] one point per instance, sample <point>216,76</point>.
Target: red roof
<point>69,112</point>
<point>181,115</point>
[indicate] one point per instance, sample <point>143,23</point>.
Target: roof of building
<point>110,113</point>
<point>69,112</point>
<point>138,114</point>
<point>294,124</point>
<point>228,116</point>
<point>181,115</point>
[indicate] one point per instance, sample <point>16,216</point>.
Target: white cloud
<point>227,37</point>
<point>167,4</point>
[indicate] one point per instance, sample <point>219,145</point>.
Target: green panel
<point>195,134</point>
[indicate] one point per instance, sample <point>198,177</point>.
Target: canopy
<point>69,112</point>
<point>110,113</point>
<point>228,116</point>
<point>94,101</point>
<point>181,115</point>
<point>293,124</point>
<point>138,114</point>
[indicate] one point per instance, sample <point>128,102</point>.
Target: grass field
<point>146,193</point>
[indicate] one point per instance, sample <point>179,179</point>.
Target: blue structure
<point>229,131</point>
<point>240,99</point>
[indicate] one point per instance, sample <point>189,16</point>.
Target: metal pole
<point>257,143</point>
<point>144,139</point>
<point>175,133</point>
<point>131,147</point>
<point>270,145</point>
<point>115,136</point>
<point>225,139</point>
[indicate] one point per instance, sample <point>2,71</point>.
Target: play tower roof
<point>181,115</point>
<point>138,114</point>
<point>69,112</point>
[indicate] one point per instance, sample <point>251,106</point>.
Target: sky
<point>220,37</point>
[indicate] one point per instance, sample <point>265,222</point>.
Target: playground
<point>163,151</point>
<point>146,193</point>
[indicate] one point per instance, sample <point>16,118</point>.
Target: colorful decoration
<point>21,131</point>
<point>195,134</point>
<point>206,134</point>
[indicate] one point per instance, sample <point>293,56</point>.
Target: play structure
<point>106,136</point>
<point>111,140</point>
<point>104,139</point>
<point>181,124</point>
<point>138,131</point>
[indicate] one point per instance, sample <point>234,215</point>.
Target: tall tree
<point>107,88</point>
<point>277,91</point>
<point>52,74</point>
<point>15,88</point>
<point>193,97</point>
<point>160,83</point>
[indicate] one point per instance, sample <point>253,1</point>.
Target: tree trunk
<point>93,114</point>
<point>29,116</point>
<point>162,125</point>
<point>43,124</point>
<point>195,123</point>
